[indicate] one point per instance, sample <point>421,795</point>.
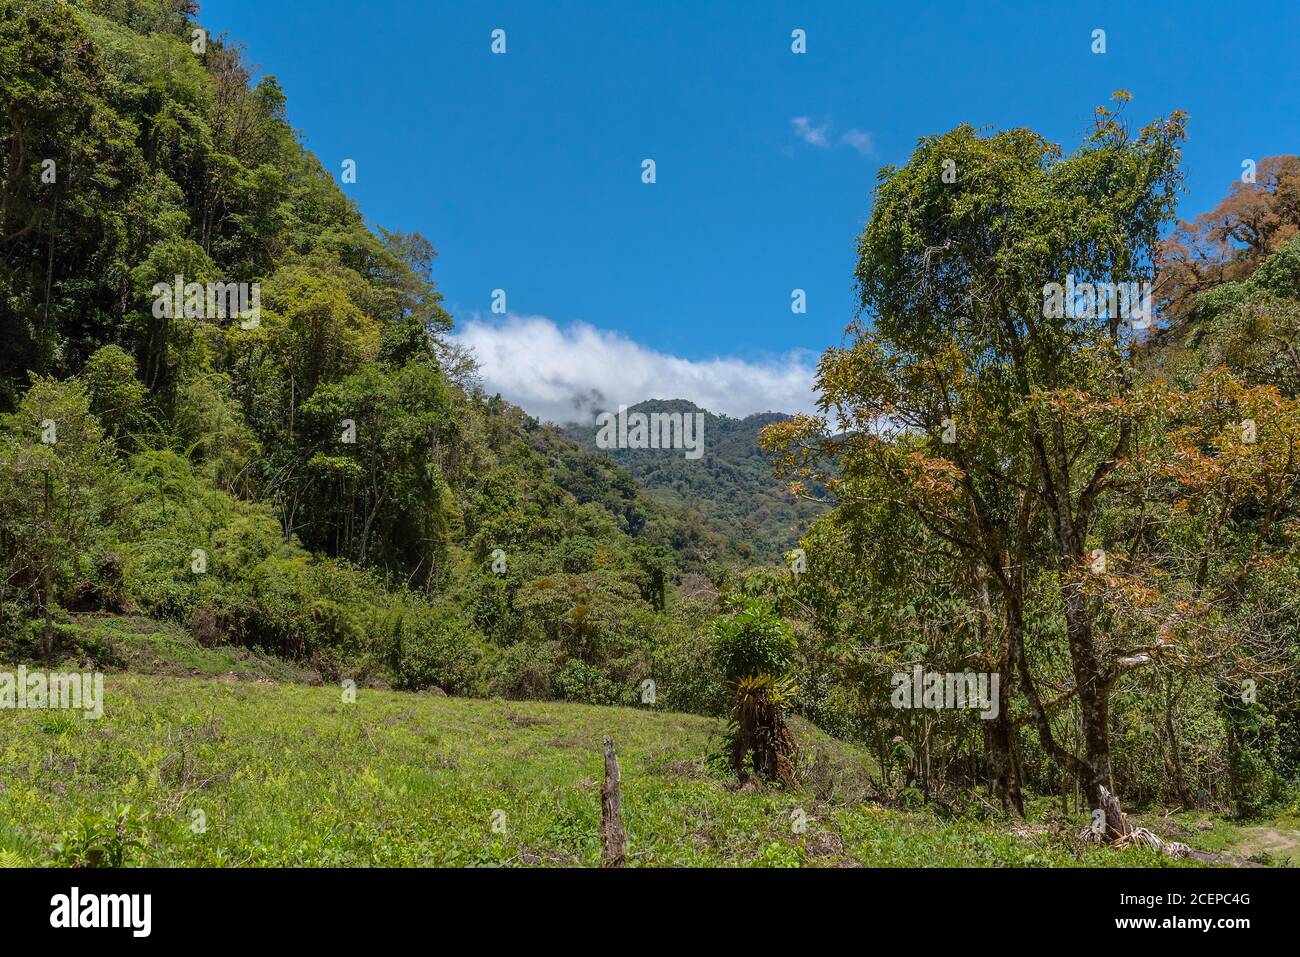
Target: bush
<point>578,681</point>
<point>436,647</point>
<point>686,675</point>
<point>753,640</point>
<point>526,669</point>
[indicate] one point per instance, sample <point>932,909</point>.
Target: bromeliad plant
<point>756,650</point>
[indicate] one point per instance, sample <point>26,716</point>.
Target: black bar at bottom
<point>359,907</point>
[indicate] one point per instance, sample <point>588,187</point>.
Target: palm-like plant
<point>756,650</point>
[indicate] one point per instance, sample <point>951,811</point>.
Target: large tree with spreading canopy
<point>1027,439</point>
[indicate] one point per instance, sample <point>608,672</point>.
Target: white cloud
<point>568,374</point>
<point>860,140</point>
<point>810,134</point>
<point>819,135</point>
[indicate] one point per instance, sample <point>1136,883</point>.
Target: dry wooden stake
<point>611,812</point>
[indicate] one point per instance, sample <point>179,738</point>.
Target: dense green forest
<point>455,542</point>
<point>1104,519</point>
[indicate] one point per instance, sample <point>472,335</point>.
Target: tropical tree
<point>58,489</point>
<point>1004,423</point>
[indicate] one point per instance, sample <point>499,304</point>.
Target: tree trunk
<point>1094,707</point>
<point>47,633</point>
<point>1092,771</point>
<point>1000,748</point>
<point>1175,753</point>
<point>999,741</point>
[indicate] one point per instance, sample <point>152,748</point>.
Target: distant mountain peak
<point>732,487</point>
<point>686,406</point>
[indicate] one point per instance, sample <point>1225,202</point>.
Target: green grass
<point>1275,841</point>
<point>288,774</point>
<point>146,646</point>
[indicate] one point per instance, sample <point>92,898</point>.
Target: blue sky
<point>524,170</point>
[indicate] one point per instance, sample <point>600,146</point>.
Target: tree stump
<point>1117,825</point>
<point>612,838</point>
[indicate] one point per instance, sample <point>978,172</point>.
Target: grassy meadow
<point>228,759</point>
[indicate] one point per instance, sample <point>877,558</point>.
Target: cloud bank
<point>568,374</point>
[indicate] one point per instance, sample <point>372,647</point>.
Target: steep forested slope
<point>231,404</point>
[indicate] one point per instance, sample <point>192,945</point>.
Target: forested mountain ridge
<point>1101,524</point>
<point>732,487</point>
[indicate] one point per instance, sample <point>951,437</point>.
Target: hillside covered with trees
<point>325,483</point>
<point>310,485</point>
<point>732,487</point>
